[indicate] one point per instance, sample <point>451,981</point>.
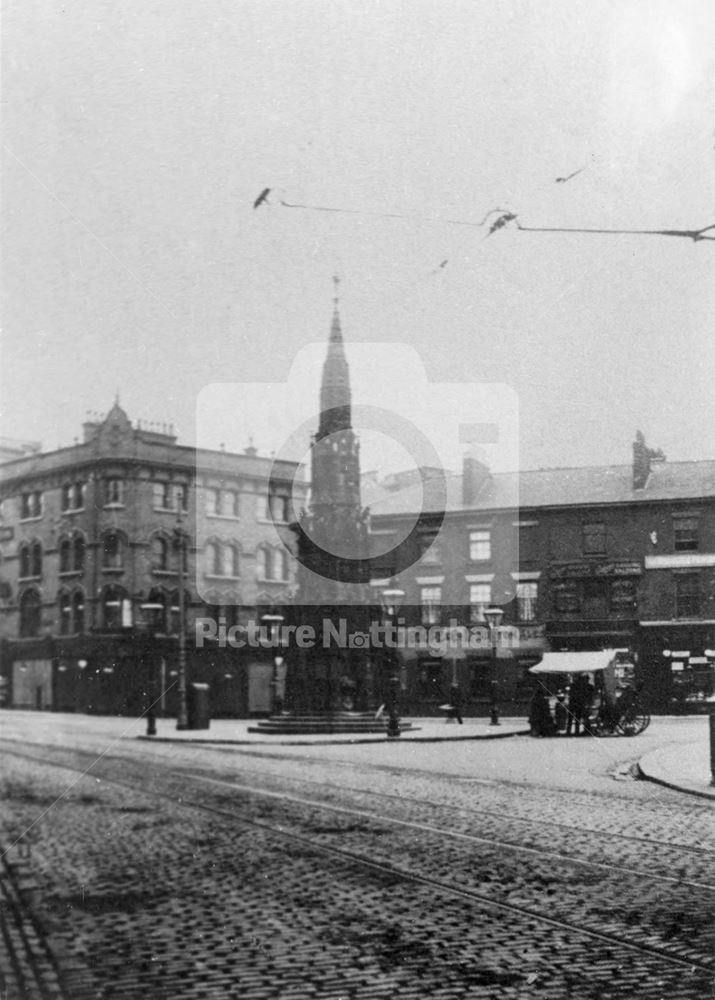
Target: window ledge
<point>29,579</point>
<point>169,510</point>
<point>224,517</point>
<point>164,572</point>
<point>34,517</point>
<point>112,569</point>
<point>70,572</point>
<point>114,505</point>
<point>218,576</point>
<point>271,579</point>
<point>72,510</point>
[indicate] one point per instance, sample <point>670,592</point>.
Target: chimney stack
<point>475,473</point>
<point>643,458</point>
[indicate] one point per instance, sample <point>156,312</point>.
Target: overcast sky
<point>139,134</point>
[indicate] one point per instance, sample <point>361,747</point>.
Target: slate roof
<point>589,485</point>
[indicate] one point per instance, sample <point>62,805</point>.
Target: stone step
<point>363,722</point>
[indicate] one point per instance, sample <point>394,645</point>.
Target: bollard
<point>712,747</point>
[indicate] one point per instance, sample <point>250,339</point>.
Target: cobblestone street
<point>349,872</point>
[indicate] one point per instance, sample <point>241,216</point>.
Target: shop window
<point>566,597</point>
<point>594,601</point>
<point>623,595</point>
<point>430,680</point>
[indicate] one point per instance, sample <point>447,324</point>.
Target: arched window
<point>65,609</point>
<point>36,559</point>
<point>213,559</point>
<point>78,610</point>
<point>280,565</point>
<point>112,607</point>
<point>25,562</point>
<point>261,564</point>
<point>112,549</point>
<point>30,613</point>
<point>65,556</point>
<point>159,553</point>
<point>79,549</point>
<point>156,616</point>
<point>230,560</point>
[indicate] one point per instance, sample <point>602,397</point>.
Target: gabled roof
<point>534,488</point>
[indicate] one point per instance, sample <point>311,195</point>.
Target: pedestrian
<point>579,704</point>
<point>560,711</point>
<point>455,700</point>
<point>540,719</point>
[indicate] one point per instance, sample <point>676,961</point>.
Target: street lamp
<point>493,618</point>
<point>152,611</point>
<point>275,622</point>
<point>182,718</point>
<point>392,598</point>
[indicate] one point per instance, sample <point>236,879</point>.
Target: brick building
<point>89,582</point>
<point>619,557</point>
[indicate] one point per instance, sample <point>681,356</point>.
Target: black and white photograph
<point>357,500</point>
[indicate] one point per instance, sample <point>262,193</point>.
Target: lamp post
<point>275,622</point>
<point>710,654</point>
<point>493,618</point>
<point>391,600</point>
<point>182,718</point>
<point>151,610</point>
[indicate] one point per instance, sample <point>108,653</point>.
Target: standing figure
<point>455,700</point>
<point>579,704</point>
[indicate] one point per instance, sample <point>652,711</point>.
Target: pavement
<point>235,731</point>
<point>684,768</point>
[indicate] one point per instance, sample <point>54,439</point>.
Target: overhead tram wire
<point>697,235</point>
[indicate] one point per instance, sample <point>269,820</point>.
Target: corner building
<point>89,581</point>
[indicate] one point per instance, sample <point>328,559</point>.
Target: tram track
<point>288,830</point>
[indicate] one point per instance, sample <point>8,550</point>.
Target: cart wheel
<point>633,721</point>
